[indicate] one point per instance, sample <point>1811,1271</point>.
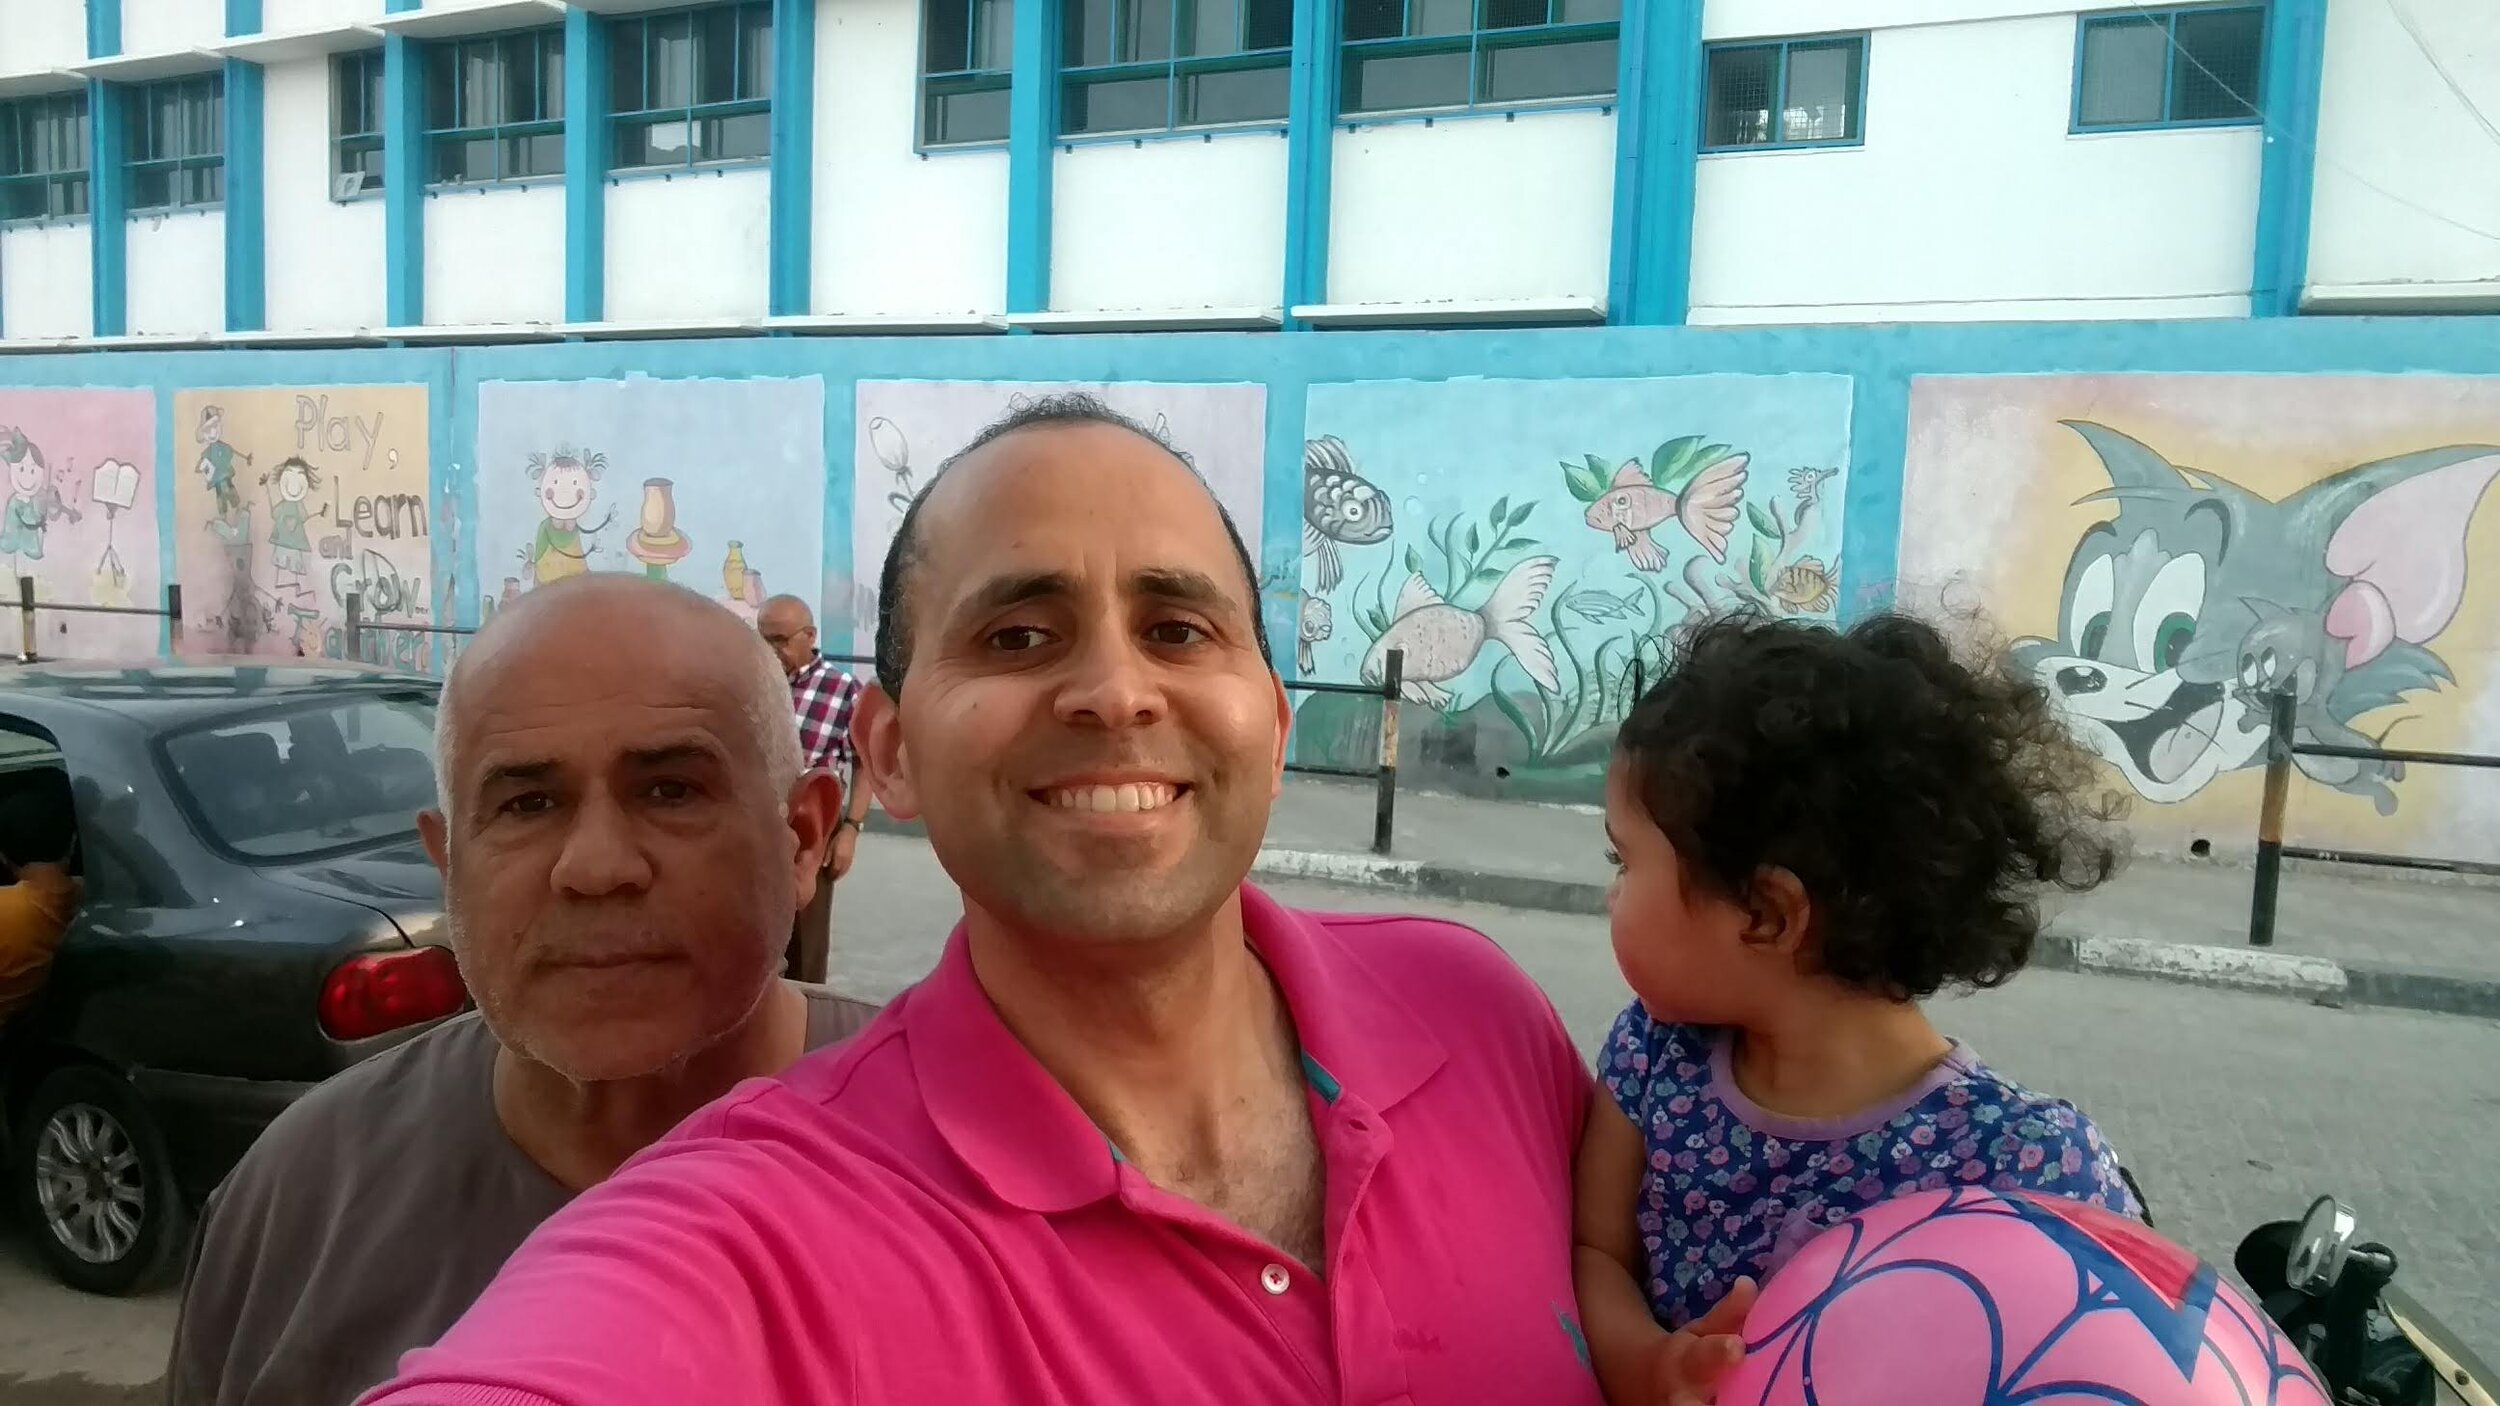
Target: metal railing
<point>28,606</point>
<point>358,626</point>
<point>1383,774</point>
<point>2282,747</point>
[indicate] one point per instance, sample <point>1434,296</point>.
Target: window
<point>966,48</point>
<point>693,86</point>
<point>176,152</point>
<point>1789,93</point>
<point>2170,68</point>
<point>356,123</point>
<point>1438,55</point>
<point>1152,65</point>
<point>43,157</point>
<point>494,108</point>
<point>316,780</point>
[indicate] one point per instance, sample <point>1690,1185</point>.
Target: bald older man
<point>624,837</point>
<point>824,696</point>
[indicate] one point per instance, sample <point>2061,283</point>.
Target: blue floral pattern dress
<point>1733,1189</point>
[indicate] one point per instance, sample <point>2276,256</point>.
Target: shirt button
<point>1274,1279</point>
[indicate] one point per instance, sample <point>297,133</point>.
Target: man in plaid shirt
<point>823,694</point>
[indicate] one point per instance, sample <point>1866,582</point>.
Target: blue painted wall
<point>1879,364</point>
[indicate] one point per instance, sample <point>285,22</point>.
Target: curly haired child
<point>1813,830</point>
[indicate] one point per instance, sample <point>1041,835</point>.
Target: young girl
<point>1812,831</point>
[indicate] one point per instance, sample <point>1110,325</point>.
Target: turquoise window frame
<point>1783,48</point>
<point>973,77</point>
<point>1478,42</point>
<point>68,191</point>
<point>1176,72</point>
<point>202,142</point>
<point>631,38</point>
<point>2168,19</point>
<point>359,72</point>
<point>546,47</point>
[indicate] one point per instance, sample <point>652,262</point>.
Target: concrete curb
<point>2317,979</point>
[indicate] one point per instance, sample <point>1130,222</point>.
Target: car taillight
<point>384,991</point>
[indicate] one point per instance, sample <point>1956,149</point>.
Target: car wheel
<point>96,1184</point>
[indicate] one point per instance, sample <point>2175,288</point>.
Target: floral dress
<point>1733,1189</point>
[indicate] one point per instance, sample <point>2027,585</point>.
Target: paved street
<point>2231,1109</point>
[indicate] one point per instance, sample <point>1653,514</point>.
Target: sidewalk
<point>2342,934</point>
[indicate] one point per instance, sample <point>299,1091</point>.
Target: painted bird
<point>1338,505</point>
<point>1632,506</point>
<point>1441,640</point>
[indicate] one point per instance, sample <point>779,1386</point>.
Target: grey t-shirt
<point>367,1219</point>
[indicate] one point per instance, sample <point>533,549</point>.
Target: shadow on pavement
<point>76,1391</point>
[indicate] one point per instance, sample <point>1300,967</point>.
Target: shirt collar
<point>1027,1139</point>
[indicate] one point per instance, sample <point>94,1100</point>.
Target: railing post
<point>26,619</point>
<point>173,615</point>
<point>355,626</point>
<point>2270,820</point>
<point>1385,809</point>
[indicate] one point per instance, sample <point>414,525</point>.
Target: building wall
<point>1853,467</point>
<point>1479,207</point>
<point>896,231</point>
<point>325,256</point>
<point>36,35</point>
<point>2407,205</point>
<point>178,272</point>
<point>692,246</point>
<point>495,255</point>
<point>280,16</point>
<point>47,286</point>
<point>1169,224</point>
<point>1970,200</point>
<point>153,26</point>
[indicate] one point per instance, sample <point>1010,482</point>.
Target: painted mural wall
<point>1530,546</point>
<point>907,429</point>
<point>2168,552</point>
<point>78,514</point>
<point>714,484</point>
<point>289,499</point>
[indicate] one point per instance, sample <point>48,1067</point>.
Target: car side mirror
<point>2320,1248</point>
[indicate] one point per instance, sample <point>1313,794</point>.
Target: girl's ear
<point>1779,913</point>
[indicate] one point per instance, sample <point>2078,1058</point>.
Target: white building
<point>260,171</point>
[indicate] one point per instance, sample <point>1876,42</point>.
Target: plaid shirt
<point>824,695</point>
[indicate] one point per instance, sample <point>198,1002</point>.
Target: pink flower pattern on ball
<point>1972,1297</point>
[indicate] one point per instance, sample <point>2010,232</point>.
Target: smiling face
<point>291,483</point>
<point>620,864</point>
<point>1090,732</point>
<point>26,475</point>
<point>2127,668</point>
<point>565,490</point>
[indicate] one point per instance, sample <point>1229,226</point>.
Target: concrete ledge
<point>2316,979</point>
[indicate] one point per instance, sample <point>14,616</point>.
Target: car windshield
<point>331,776</point>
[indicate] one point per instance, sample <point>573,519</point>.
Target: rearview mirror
<point>2320,1248</point>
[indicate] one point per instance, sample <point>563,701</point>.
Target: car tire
<point>95,1185</point>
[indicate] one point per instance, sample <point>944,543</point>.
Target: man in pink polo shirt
<point>1145,1135</point>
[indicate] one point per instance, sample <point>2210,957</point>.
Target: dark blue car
<point>258,915</point>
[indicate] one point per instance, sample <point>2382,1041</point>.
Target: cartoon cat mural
<point>2183,615</point>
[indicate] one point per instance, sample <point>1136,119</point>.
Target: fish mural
<point>2185,612</point>
<point>1441,640</point>
<point>1338,506</point>
<point>1696,486</point>
<point>1549,538</point>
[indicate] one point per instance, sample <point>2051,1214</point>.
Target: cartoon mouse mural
<point>2183,615</point>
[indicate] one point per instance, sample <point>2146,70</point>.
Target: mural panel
<point>714,484</point>
<point>2174,550</point>
<point>907,429</point>
<point>289,500</point>
<point>1530,545</point>
<point>79,515</point>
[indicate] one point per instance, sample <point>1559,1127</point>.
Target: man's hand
<point>1686,1367</point>
<point>845,847</point>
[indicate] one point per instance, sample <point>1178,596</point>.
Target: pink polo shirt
<point>924,1216</point>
